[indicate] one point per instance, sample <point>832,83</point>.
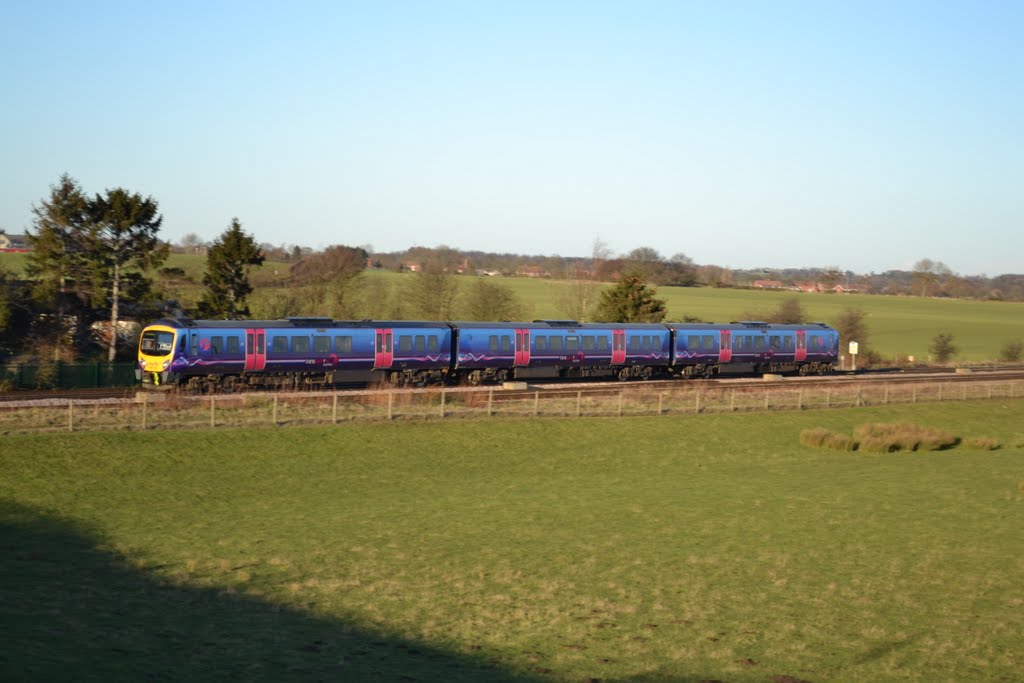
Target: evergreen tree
<point>943,349</point>
<point>228,263</point>
<point>630,301</point>
<point>57,262</point>
<point>123,245</point>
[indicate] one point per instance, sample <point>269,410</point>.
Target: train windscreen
<point>156,343</point>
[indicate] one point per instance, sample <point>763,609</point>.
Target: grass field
<point>666,549</point>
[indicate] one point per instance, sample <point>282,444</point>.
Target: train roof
<point>299,323</point>
<point>553,325</point>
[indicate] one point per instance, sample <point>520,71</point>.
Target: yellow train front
<point>157,354</point>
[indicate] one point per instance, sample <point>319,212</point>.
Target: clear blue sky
<point>864,135</point>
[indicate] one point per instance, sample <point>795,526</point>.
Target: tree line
<point>90,267</point>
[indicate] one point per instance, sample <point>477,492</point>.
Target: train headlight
<point>167,364</point>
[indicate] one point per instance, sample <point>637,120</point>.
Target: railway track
<point>587,387</point>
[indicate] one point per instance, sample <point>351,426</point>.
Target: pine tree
<point>228,263</point>
<point>57,260</point>
<point>630,301</point>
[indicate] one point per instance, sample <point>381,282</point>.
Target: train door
<point>383,351</point>
<point>522,347</point>
<point>725,347</point>
<point>255,349</point>
<point>618,347</point>
<point>801,345</point>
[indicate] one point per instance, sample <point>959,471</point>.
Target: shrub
<point>1011,351</point>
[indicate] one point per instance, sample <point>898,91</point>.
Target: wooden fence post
<point>334,410</point>
<point>536,403</point>
<point>620,402</point>
<point>145,402</point>
<point>490,402</point>
<point>442,404</point>
<point>391,404</point>
<point>274,417</point>
<point>213,410</point>
<point>71,416</point>
<point>661,401</point>
<point>579,400</point>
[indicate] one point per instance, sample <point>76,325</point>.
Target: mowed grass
<point>711,547</point>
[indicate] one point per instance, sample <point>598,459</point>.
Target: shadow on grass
<point>71,612</point>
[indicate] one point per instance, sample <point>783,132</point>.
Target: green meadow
<point>712,547</point>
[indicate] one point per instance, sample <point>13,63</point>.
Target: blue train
<point>207,355</point>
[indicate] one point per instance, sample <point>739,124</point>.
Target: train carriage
<point>751,347</point>
<point>559,348</point>
<point>206,354</point>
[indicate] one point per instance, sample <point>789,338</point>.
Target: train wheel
<point>624,374</point>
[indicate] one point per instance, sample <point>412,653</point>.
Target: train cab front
<point>156,355</point>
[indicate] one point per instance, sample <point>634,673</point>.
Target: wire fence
<point>165,412</point>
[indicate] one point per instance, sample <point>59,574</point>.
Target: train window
<point>645,344</point>
<point>759,343</point>
<point>405,343</point>
<point>300,344</point>
<point>420,344</point>
<point>693,343</point>
<point>279,345</point>
<point>492,343</point>
<point>216,344</point>
<point>556,344</point>
<point>774,341</point>
<point>588,344</point>
<point>707,342</point>
<point>343,344</point>
<point>433,346</point>
<point>634,344</point>
<point>506,344</point>
<point>321,344</point>
<point>572,344</point>
<point>602,344</point>
<point>234,346</point>
<point>737,343</point>
<point>787,343</point>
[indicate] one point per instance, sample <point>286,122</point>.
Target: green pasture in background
<point>899,326</point>
<point>713,547</point>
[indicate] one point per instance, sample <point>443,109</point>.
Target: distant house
<point>843,289</point>
<point>813,287</point>
<point>410,266</point>
<point>768,284</point>
<point>532,271</point>
<point>14,242</point>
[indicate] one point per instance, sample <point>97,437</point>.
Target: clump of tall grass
<point>982,443</point>
<point>819,437</point>
<point>881,437</point>
<point>814,438</point>
<point>889,437</point>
